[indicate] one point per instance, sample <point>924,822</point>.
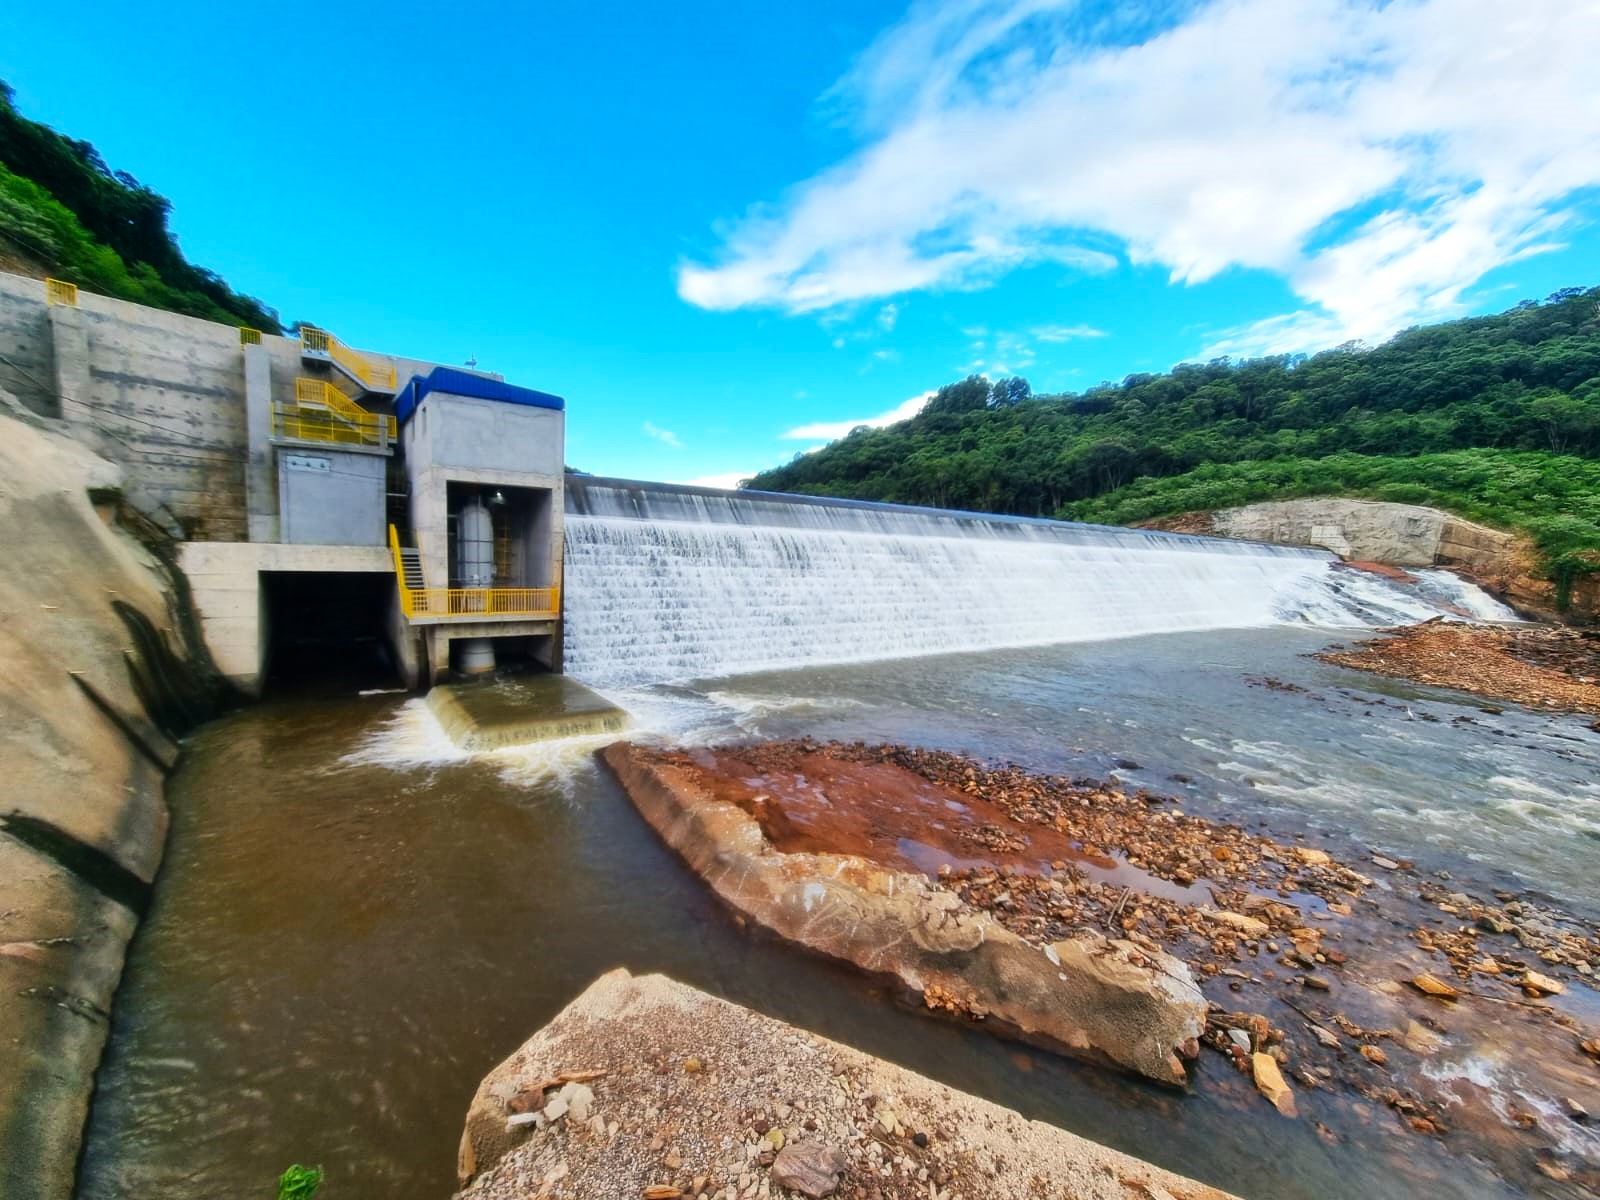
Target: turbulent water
<point>670,583</point>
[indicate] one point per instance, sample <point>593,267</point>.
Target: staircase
<point>318,345</point>
<point>411,568</point>
<point>322,413</point>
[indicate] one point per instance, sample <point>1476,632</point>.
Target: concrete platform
<point>514,711</point>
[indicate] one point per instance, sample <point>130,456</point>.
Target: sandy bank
<point>674,1090</point>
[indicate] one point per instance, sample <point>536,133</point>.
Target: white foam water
<point>674,584</point>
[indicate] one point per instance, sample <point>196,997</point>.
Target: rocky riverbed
<point>1548,667</point>
<point>1379,1004</point>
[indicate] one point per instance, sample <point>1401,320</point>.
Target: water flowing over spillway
<point>676,583</point>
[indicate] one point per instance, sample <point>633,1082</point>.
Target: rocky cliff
<point>90,671</point>
<point>1400,535</point>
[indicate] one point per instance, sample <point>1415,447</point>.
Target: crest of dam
<point>671,582</point>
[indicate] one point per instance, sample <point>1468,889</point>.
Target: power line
<point>93,411</point>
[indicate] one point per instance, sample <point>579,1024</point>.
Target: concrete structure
<point>269,455</point>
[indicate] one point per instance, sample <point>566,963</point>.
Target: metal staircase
<point>411,568</point>
<point>322,413</point>
<point>318,345</point>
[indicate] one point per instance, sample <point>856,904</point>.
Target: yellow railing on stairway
<point>320,341</point>
<point>305,423</point>
<point>315,393</point>
<point>511,603</point>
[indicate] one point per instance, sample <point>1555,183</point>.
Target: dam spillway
<point>668,582</point>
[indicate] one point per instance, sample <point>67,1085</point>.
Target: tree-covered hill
<point>1496,418</point>
<point>63,209</point>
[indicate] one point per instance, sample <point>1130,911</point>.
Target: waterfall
<point>670,583</point>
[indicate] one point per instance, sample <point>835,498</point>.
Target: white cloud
<point>729,480</point>
<point>1065,333</point>
<point>1378,155</point>
<point>665,436</point>
<point>830,430</point>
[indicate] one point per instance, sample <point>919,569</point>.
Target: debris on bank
<point>644,1087</point>
<point>1547,667</point>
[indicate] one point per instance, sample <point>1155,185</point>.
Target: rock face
<point>1400,535</point>
<point>1100,999</point>
<point>83,823</point>
<point>768,1107</point>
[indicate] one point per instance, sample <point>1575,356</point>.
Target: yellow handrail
<point>59,291</point>
<point>320,341</point>
<point>317,424</point>
<point>248,336</point>
<point>470,602</point>
<point>320,393</point>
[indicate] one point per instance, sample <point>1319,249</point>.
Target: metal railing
<point>59,291</point>
<point>318,393</point>
<point>248,336</point>
<point>470,602</point>
<point>316,424</point>
<point>481,602</point>
<point>320,341</point>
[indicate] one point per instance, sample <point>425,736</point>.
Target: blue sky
<point>729,232</point>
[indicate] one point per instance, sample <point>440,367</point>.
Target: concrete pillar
<point>403,643</point>
<point>260,477</point>
<point>70,340</point>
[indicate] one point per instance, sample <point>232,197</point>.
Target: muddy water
<point>355,921</point>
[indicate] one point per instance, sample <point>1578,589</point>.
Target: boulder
<point>1102,999</point>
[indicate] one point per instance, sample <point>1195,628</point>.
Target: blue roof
<point>465,383</point>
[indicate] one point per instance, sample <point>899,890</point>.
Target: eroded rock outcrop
<point>1104,999</point>
<point>688,1095</point>
<point>83,823</point>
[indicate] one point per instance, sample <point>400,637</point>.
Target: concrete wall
<point>332,497</point>
<point>225,579</point>
<point>466,440</point>
<point>164,396</point>
<point>25,341</point>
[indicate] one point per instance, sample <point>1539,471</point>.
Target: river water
<point>355,922</point>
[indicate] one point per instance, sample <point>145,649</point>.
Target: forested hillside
<point>64,210</point>
<point>1495,418</point>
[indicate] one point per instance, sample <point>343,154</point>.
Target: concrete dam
<point>670,583</point>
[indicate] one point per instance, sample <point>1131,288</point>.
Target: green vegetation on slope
<point>1495,418</point>
<point>60,204</point>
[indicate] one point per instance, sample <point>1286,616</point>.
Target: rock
<point>1106,1000</point>
<point>556,1109</point>
<point>580,1098</point>
<point>920,1140</point>
<point>1240,1039</point>
<point>1542,985</point>
<point>693,1066</point>
<point>1326,1036</point>
<point>1431,986</point>
<point>810,1168</point>
<point>1249,926</point>
<point>1375,1055</point>
<point>1575,1110</point>
<point>1270,1083</point>
<point>1388,864</point>
<point>1419,1039</point>
<point>1312,858</point>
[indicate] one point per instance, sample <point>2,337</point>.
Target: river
<point>355,922</point>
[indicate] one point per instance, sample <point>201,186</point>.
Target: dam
<point>368,896</point>
<point>668,582</point>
